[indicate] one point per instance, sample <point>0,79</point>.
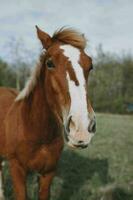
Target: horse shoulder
<point>13,128</point>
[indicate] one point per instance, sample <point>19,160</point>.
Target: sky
<point>106,22</point>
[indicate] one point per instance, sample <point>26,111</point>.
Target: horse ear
<point>44,38</point>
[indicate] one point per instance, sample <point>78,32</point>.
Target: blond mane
<point>30,84</point>
<point>64,35</point>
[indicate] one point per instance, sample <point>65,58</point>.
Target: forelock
<point>70,36</point>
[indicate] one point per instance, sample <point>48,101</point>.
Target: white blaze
<point>78,107</point>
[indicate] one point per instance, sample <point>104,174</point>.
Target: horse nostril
<point>92,126</point>
<point>68,124</point>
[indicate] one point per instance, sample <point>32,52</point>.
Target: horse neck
<point>38,116</point>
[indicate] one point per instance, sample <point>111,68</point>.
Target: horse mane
<point>64,35</point>
<point>30,84</point>
<point>70,36</point>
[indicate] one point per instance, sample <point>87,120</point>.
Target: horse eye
<point>50,64</point>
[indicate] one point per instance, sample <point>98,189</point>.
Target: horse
<point>51,110</point>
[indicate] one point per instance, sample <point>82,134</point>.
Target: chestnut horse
<point>52,106</point>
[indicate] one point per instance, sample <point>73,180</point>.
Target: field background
<point>104,171</point>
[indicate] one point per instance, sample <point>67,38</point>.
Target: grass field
<point>104,171</point>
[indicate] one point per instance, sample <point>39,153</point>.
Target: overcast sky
<point>109,22</point>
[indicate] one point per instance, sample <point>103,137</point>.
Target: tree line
<point>110,84</point>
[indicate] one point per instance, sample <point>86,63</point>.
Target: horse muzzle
<point>79,138</point>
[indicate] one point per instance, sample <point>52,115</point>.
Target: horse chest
<point>44,158</point>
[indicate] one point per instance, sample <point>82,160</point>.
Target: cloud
<point>103,21</point>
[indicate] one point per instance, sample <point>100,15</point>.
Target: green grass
<point>104,171</point>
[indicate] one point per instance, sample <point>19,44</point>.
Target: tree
<point>21,60</point>
<point>7,76</point>
<point>111,82</point>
